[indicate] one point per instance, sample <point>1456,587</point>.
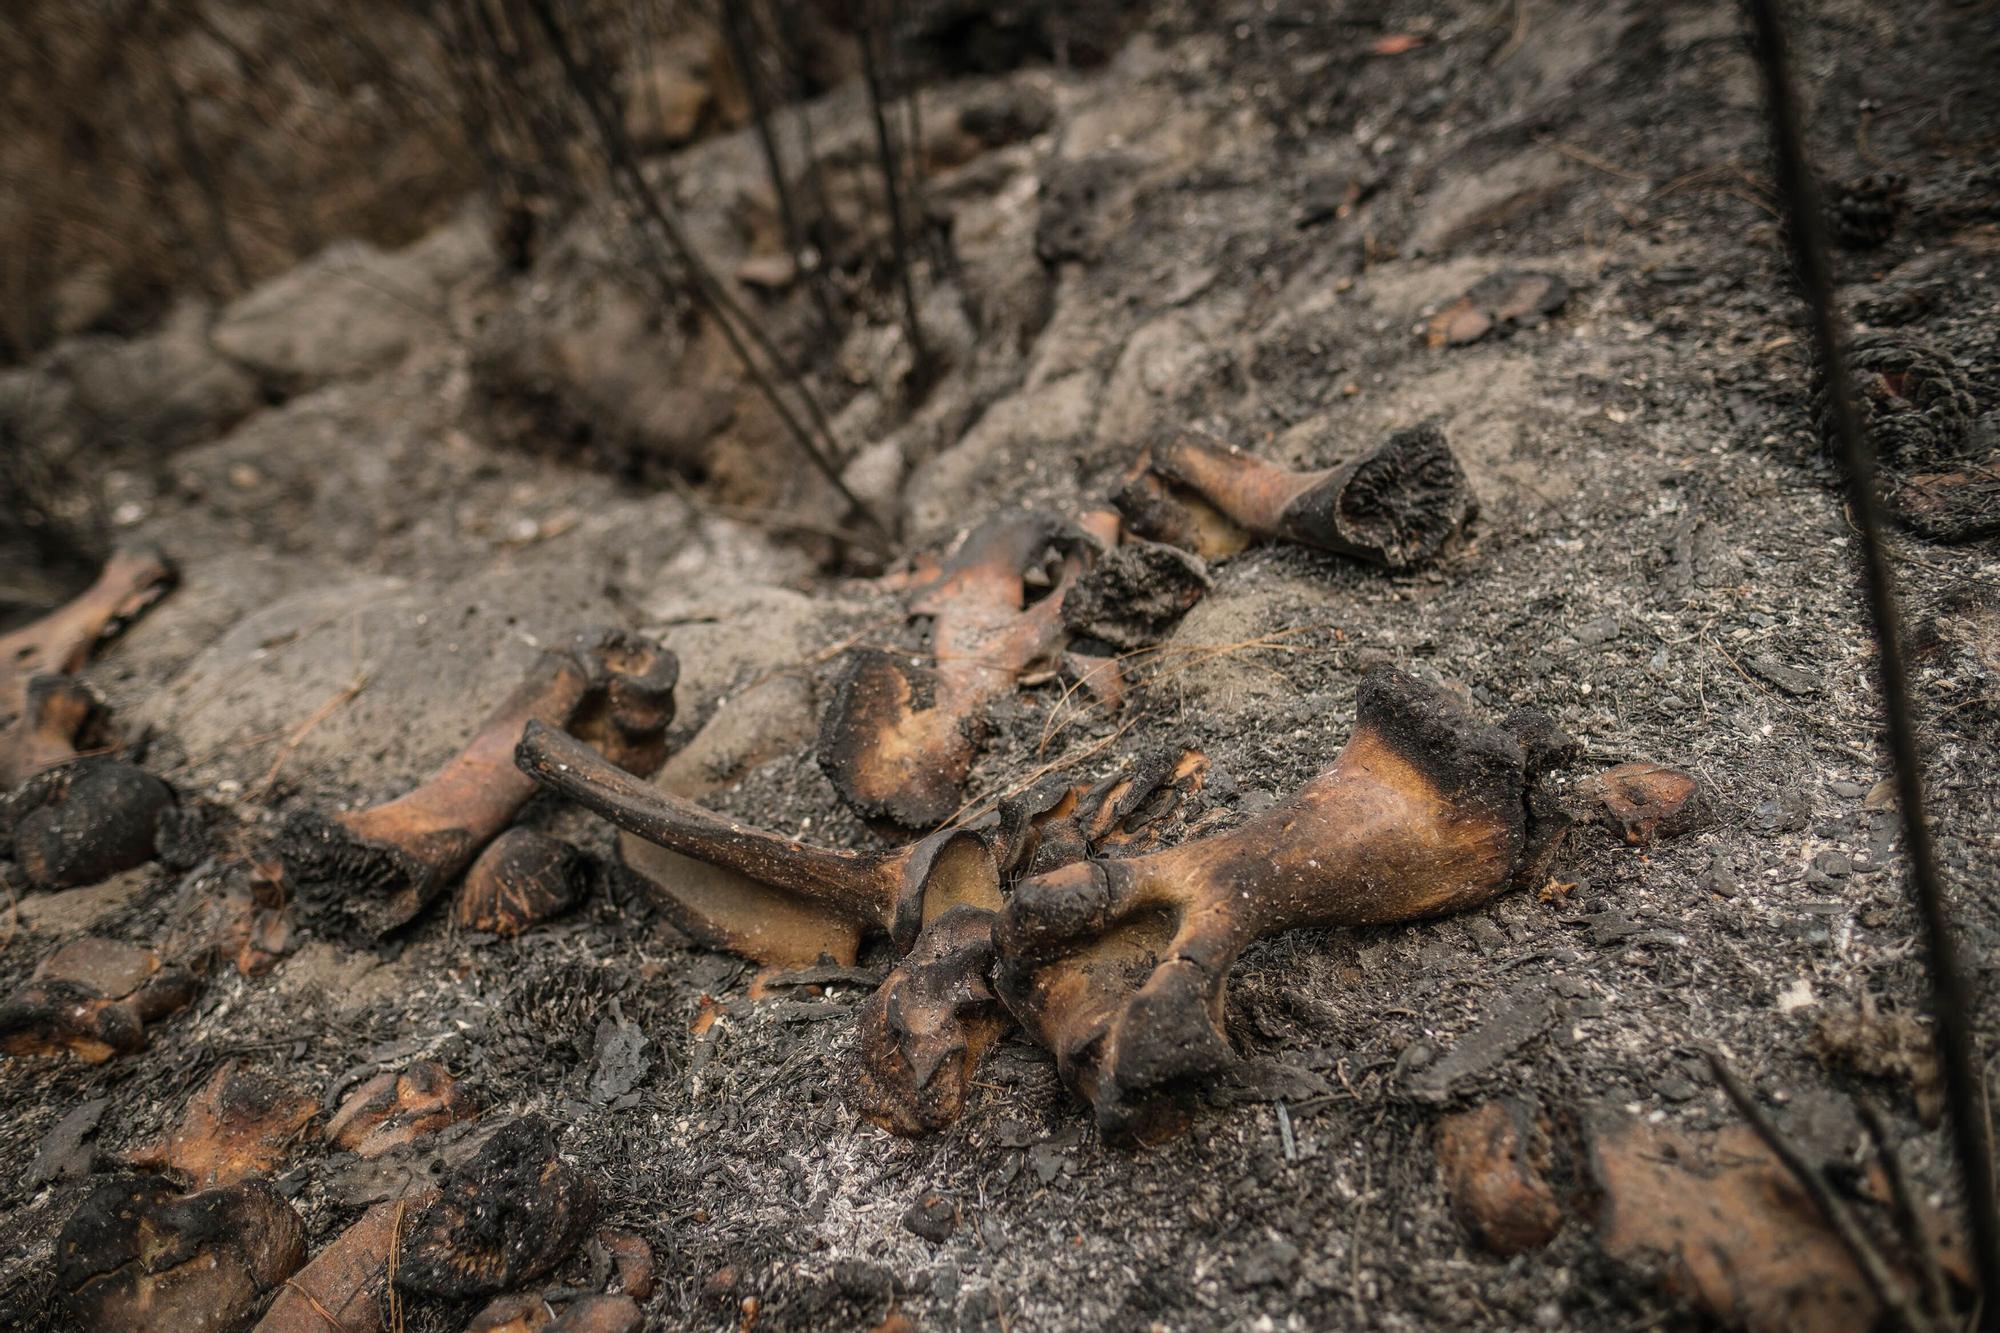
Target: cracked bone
<point>898,739</point>
<point>896,893</point>
<point>1395,505</point>
<point>925,1030</point>
<point>1120,967</point>
<point>378,868</point>
<point>240,1126</point>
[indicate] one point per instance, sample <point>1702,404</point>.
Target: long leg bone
<point>379,867</point>
<point>1120,966</point>
<point>1395,505</point>
<point>896,893</point>
<point>898,739</point>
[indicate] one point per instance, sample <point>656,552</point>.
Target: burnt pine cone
<point>1914,400</point>
<point>1861,213</point>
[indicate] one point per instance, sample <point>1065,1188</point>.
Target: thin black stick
<point>734,23</point>
<point>1888,1289</point>
<point>1951,995</point>
<point>871,36</point>
<point>728,314</point>
<point>1909,1218</point>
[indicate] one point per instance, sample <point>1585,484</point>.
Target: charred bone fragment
<point>140,1257</point>
<point>1120,966</point>
<point>92,998</point>
<point>60,643</point>
<point>504,1219</point>
<point>377,869</point>
<point>1396,505</point>
<point>523,879</point>
<point>898,738</point>
<point>927,1028</point>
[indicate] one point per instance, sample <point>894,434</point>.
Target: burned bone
<point>771,718</point>
<point>1135,593</point>
<point>232,910</point>
<point>1395,506</point>
<point>895,893</point>
<point>1645,803</point>
<point>598,1312</point>
<point>929,1025</point>
<point>1495,1163</point>
<point>924,1032</point>
<point>394,1109</point>
<point>504,1219</point>
<point>376,869</point>
<point>1724,1225</point>
<point>92,998</point>
<point>523,879</point>
<point>62,641</point>
<point>898,739</point>
<point>86,820</point>
<point>1120,966</point>
<point>60,718</point>
<point>1498,303</point>
<point>1916,402</point>
<point>240,1125</point>
<point>1169,516</point>
<point>140,1257</point>
<point>346,1286</point>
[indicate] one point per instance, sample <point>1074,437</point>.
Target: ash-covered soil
<point>1240,222</point>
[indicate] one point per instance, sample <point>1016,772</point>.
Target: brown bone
<point>378,868</point>
<point>240,1125</point>
<point>895,893</point>
<point>93,998</point>
<point>138,1256</point>
<point>1395,505</point>
<point>929,1025</point>
<point>504,1219</point>
<point>898,739</point>
<point>1120,966</point>
<point>770,718</point>
<point>522,880</point>
<point>394,1109</point>
<point>61,642</point>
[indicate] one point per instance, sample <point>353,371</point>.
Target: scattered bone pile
<point>1100,920</point>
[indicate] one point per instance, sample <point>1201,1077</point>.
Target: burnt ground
<point>1661,563</point>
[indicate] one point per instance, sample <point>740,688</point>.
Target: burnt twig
<point>1887,1287</point>
<point>1951,995</point>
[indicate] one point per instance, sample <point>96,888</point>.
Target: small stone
<point>932,1217</point>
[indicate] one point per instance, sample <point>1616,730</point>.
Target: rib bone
<point>896,893</point>
<point>898,739</point>
<point>381,866</point>
<point>1395,505</point>
<point>1120,966</point>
